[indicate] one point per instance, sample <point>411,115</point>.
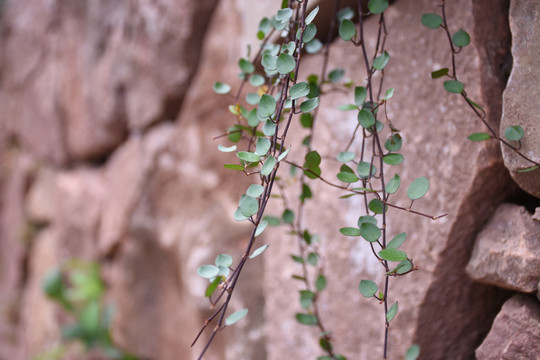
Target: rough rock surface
<point>92,71</point>
<point>520,96</point>
<point>438,304</point>
<point>507,252</point>
<point>515,332</point>
<point>107,154</point>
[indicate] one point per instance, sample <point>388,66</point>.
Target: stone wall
<point>106,120</point>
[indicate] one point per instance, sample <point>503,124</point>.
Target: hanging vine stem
<point>477,109</point>
<point>228,286</point>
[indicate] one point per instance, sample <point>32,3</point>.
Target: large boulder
<point>439,306</point>
<point>506,253</point>
<point>520,96</point>
<point>515,332</point>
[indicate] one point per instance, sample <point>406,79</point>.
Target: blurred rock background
<point>106,120</point>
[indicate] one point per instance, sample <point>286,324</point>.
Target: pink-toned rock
<point>439,306</point>
<point>515,332</point>
<point>83,74</point>
<point>507,253</point>
<point>41,199</point>
<point>520,104</point>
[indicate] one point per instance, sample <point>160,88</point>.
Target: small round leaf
<point>418,188</point>
<point>432,21</point>
<point>221,88</point>
<point>347,29</point>
<point>236,317</point>
<point>453,86</point>
<point>368,288</point>
<point>461,38</point>
<point>514,133</point>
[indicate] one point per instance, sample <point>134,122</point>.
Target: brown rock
<point>520,97</point>
<point>41,198</point>
<point>515,332</point>
<point>506,252</point>
<point>438,304</point>
<point>85,73</point>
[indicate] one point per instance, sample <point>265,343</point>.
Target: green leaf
<point>299,90</point>
<point>306,319</point>
<point>392,312</point>
<point>306,298</point>
<point>413,352</point>
<point>236,317</point>
<point>255,190</point>
<point>245,66</point>
<point>481,136</point>
<point>514,133</point>
<point>360,95</point>
<point>393,159</point>
<point>208,271</point>
<point>313,159</point>
<point>268,166</point>
<point>285,63</point>
<point>237,216</point>
<point>350,231</point>
<point>248,206</point>
<point>345,13</point>
<point>252,118</point>
<point>403,267</point>
<point>418,188</point>
<point>320,283</point>
<point>261,227</point>
<point>347,177</point>
<point>397,241</point>
<point>312,259</point>
<point>453,86</point>
<point>262,146</point>
<point>345,156</point>
<point>234,167</point>
<point>376,206</point>
<point>288,216</point>
<point>284,14</point>
<point>363,169</point>
<point>212,287</point>
<point>392,254</point>
<point>252,98</point>
<point>248,156</point>
<point>432,21</point>
<point>347,30</point>
<point>309,105</point>
<point>368,288</point>
<point>309,33</point>
<point>235,134</point>
<point>256,80</point>
<point>439,73</point>
<point>366,219</point>
<point>377,6</point>
<point>380,61</point>
<point>258,251</point>
<point>264,26</point>
<point>393,143</point>
<point>269,62</point>
<point>224,260</point>
<point>336,75</point>
<point>475,104</point>
<point>370,232</point>
<point>532,168</point>
<point>269,128</point>
<point>366,118</point>
<point>306,193</point>
<point>461,38</point>
<point>53,285</point>
<point>388,94</point>
<point>393,184</point>
<point>314,46</point>
<point>267,106</point>
<point>221,88</point>
<point>312,15</point>
<point>347,107</point>
<point>297,259</point>
<point>283,154</point>
<point>306,120</point>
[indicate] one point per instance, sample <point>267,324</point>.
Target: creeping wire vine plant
<point>457,41</point>
<point>279,97</point>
